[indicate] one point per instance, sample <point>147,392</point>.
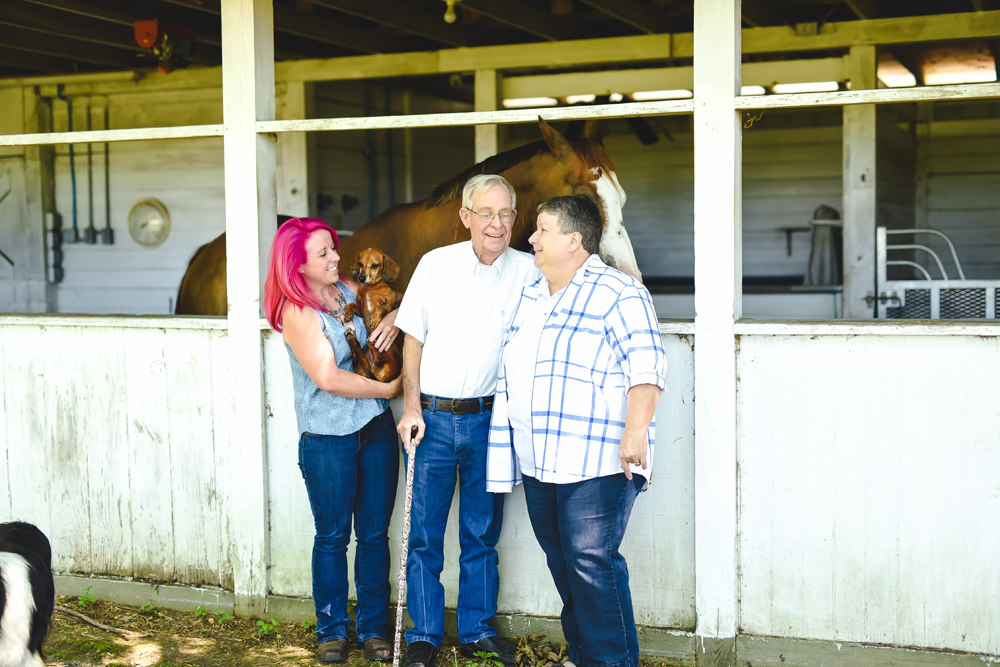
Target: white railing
<point>929,298</point>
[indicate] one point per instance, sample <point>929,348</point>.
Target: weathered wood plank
<point>104,428</point>
<point>968,91</point>
<point>100,136</point>
<point>5,386</point>
<point>869,328</point>
<point>149,452</point>
<point>188,401</point>
<point>118,321</point>
<point>718,303</point>
<point>226,455</point>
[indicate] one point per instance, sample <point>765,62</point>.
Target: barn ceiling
<point>44,37</point>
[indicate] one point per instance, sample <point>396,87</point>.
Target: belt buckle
<point>459,406</point>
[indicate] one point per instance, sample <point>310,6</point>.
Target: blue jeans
<point>352,477</point>
<point>580,527</point>
<point>453,445</point>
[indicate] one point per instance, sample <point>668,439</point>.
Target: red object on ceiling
<point>147,33</point>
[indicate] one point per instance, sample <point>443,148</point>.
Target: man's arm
<point>413,415</point>
<point>640,407</point>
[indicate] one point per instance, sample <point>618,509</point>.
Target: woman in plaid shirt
<point>581,372</point>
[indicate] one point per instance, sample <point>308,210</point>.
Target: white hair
<point>483,183</point>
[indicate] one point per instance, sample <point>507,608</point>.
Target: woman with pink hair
<point>348,448</point>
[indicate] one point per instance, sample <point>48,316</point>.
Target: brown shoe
<point>379,649</point>
<point>332,650</point>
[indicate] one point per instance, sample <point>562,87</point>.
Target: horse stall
<point>830,497</point>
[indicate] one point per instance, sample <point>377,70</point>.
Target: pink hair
<point>284,280</point>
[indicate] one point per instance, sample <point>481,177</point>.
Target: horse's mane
<point>452,188</point>
<point>592,153</point>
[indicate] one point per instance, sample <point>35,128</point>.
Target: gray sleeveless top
<point>321,412</point>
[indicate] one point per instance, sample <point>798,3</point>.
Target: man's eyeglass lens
<point>487,215</point>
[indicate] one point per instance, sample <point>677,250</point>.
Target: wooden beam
<point>67,47</point>
<point>404,17</point>
<point>100,136</point>
<point>518,15</point>
<point>634,13</point>
<point>757,14</point>
<point>909,57</point>
<point>863,9</point>
<point>907,30</point>
<point>670,78</point>
<point>718,305</point>
<point>964,91</point>
<point>295,182</point>
<point>859,208</point>
<point>33,61</point>
<point>671,108</point>
<point>487,85</point>
<point>247,97</point>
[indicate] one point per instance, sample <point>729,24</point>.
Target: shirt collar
<point>477,267</point>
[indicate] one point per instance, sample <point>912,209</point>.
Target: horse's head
<point>588,170</point>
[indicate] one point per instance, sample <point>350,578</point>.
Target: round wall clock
<point>148,222</point>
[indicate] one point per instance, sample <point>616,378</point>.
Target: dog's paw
<point>349,334</point>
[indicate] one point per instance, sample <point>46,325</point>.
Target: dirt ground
<point>149,636</point>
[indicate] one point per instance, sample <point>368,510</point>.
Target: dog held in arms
<point>374,271</point>
<point>27,594</point>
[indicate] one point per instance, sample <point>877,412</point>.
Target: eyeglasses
<point>506,215</point>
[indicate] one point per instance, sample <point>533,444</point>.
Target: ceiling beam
<point>66,47</point>
<point>757,14</point>
<point>38,62</point>
<point>863,9</point>
<point>110,29</point>
<point>633,13</point>
<point>403,17</point>
<point>909,57</point>
<point>518,15</point>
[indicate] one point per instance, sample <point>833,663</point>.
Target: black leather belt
<point>458,406</point>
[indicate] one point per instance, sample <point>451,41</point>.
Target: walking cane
<point>401,593</point>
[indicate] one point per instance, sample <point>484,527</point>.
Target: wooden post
<point>296,151</point>
<point>35,293</point>
<point>487,90</point>
<point>859,190</point>
<point>247,96</point>
<point>718,212</point>
<point>407,150</point>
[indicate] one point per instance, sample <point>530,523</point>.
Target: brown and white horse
<point>538,171</point>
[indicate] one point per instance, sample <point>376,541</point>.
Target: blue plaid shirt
<point>600,340</point>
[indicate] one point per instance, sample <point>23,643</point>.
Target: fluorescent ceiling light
<point>616,97</point>
<point>942,78</point>
<point>752,90</point>
<point>523,102</point>
<point>573,99</point>
<point>647,95</point>
<point>811,87</point>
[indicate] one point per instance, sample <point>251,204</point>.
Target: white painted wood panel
<point>868,494</point>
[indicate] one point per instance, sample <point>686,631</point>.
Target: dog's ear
<point>390,270</point>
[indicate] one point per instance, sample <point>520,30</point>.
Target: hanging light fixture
<point>449,14</point>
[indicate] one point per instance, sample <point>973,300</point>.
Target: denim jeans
<point>453,445</point>
<point>580,527</point>
<point>352,477</point>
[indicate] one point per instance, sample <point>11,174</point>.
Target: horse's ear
<point>390,270</point>
<point>593,131</point>
<point>557,142</point>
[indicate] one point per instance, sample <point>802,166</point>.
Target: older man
<point>457,308</point>
<point>581,371</point>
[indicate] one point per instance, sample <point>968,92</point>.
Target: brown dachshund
<point>374,270</point>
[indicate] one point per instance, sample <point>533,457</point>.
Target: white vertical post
<point>486,100</point>
<point>247,96</point>
<point>859,190</point>
<point>718,212</point>
<point>39,296</point>
<point>407,150</point>
<point>296,181</point>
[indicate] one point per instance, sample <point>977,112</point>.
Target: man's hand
<point>382,336</point>
<point>411,419</point>
<point>632,451</point>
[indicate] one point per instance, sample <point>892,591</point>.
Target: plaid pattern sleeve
<point>601,339</point>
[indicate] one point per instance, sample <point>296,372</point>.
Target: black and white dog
<point>27,594</point>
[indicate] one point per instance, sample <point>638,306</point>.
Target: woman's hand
<point>385,333</point>
<point>394,387</point>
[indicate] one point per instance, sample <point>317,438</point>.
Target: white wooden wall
<point>113,444</point>
<point>869,500</point>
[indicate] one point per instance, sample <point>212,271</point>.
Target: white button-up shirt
<point>460,310</point>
